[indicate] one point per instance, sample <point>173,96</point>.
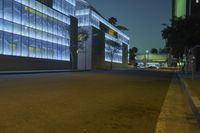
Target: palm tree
<point>122,28</point>
<point>132,54</point>
<point>112,20</point>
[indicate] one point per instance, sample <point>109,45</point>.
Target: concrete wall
<point>74,42</point>
<point>98,49</point>
<point>85,53</point>
<point>24,63</point>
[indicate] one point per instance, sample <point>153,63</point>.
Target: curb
<point>190,99</point>
<point>37,72</point>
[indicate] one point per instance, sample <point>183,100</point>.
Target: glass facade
<point>117,55</point>
<point>88,17</point>
<point>31,29</point>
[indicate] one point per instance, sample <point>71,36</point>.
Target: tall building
<point>39,34</point>
<point>185,8</point>
<point>102,35</point>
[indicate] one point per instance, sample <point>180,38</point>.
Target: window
<point>64,52</point>
<point>25,16</point>
<point>44,22</point>
<point>44,49</point>
<point>1,24</point>
<point>25,46</point>
<point>39,20</point>
<point>8,26</point>
<point>8,43</point>
<point>197,1</point>
<point>31,48</point>
<point>1,42</point>
<point>50,50</point>
<point>16,45</point>
<point>17,12</point>
<point>59,52</point>
<point>32,18</point>
<point>49,25</point>
<point>55,51</point>
<point>17,29</point>
<point>38,49</point>
<point>8,9</point>
<point>25,30</point>
<point>1,8</point>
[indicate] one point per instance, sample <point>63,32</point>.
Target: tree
<point>132,54</point>
<point>122,28</point>
<point>164,50</point>
<point>82,38</point>
<point>182,35</point>
<point>112,49</point>
<point>154,51</point>
<point>112,20</point>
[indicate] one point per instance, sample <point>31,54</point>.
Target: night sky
<point>144,18</point>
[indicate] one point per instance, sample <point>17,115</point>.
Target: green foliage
<point>132,54</point>
<point>154,51</point>
<point>112,20</point>
<point>182,35</point>
<point>122,28</point>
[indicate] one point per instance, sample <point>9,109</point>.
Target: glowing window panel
<point>180,8</point>
<point>197,1</point>
<point>35,30</point>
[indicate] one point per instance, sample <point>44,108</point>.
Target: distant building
<point>147,59</point>
<point>101,35</point>
<point>185,8</point>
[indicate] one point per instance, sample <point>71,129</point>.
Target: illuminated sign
<point>180,8</point>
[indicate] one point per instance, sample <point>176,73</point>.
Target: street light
<point>193,61</point>
<point>146,57</point>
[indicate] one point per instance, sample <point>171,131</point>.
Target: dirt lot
<point>81,102</point>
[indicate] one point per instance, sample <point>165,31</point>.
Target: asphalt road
<point>91,102</point>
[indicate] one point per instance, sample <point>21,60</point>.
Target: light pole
<point>85,56</point>
<point>146,57</point>
<point>193,67</point>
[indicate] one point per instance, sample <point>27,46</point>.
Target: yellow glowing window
<point>12,46</point>
<point>31,49</point>
<point>111,32</point>
<point>197,1</point>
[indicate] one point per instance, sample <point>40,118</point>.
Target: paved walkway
<point>176,116</point>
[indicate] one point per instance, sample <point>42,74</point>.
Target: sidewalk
<point>176,116</point>
<point>189,75</point>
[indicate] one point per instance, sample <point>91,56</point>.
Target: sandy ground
<point>194,86</point>
<point>176,116</point>
<point>81,102</point>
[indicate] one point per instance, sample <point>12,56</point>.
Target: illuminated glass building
<point>40,34</point>
<point>101,35</point>
<point>36,29</point>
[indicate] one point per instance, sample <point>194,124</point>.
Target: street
<point>84,102</point>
